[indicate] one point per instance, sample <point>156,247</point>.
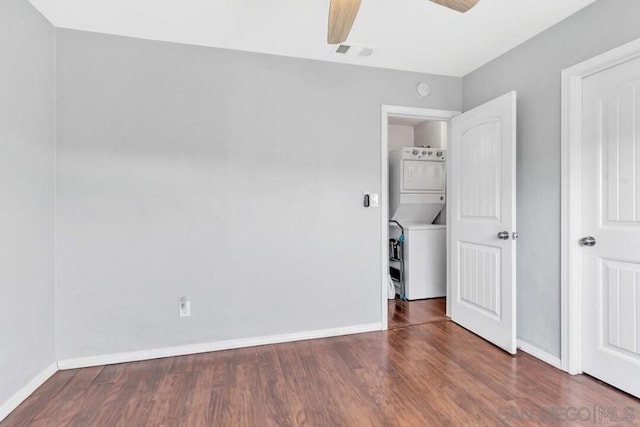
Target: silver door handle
<point>503,235</point>
<point>588,241</point>
<point>515,235</point>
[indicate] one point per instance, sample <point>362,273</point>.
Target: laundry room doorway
<point>414,169</point>
<point>449,217</point>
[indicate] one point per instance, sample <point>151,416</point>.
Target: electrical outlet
<point>185,307</point>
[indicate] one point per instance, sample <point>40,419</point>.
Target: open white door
<point>482,200</point>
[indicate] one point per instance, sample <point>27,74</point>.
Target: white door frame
<point>571,217</point>
<point>397,111</point>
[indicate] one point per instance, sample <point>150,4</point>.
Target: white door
<point>611,215</point>
<point>482,174</point>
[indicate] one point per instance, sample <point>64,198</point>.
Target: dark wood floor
<point>407,313</point>
<point>432,374</point>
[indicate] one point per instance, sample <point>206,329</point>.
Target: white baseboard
<point>134,356</point>
<point>540,354</point>
<point>14,401</point>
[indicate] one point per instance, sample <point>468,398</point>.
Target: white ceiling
<point>412,35</point>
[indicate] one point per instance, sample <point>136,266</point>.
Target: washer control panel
<point>424,153</point>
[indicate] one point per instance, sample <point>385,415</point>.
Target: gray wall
<point>232,178</point>
<point>533,69</point>
<point>26,195</point>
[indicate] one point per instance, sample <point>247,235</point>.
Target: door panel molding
<point>571,199</point>
<point>487,259</point>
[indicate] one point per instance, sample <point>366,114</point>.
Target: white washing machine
<point>425,264</point>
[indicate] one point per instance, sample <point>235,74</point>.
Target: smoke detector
<point>423,90</point>
<point>353,50</point>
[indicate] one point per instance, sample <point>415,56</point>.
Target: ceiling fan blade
<point>459,5</point>
<point>342,14</point>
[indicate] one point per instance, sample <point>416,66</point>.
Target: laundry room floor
<point>408,313</point>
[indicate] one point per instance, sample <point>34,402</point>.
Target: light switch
<point>374,200</point>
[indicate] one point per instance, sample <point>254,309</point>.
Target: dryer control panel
<point>424,153</point>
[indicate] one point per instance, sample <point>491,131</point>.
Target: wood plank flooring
<point>407,313</point>
<point>434,374</point>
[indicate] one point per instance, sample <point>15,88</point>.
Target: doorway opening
<point>479,163</point>
<point>414,144</point>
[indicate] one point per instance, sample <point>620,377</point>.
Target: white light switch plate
<point>374,200</point>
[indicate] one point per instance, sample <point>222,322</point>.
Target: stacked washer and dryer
<point>417,197</point>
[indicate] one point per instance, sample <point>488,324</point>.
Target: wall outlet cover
<point>185,307</point>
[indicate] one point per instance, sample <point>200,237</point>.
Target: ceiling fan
<point>342,14</point>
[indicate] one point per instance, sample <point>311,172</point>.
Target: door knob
<point>503,235</point>
<point>588,241</point>
<point>514,235</point>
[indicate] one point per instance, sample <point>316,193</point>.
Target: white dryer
<point>417,187</point>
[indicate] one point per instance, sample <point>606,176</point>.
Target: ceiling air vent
<point>343,48</point>
<point>352,50</point>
